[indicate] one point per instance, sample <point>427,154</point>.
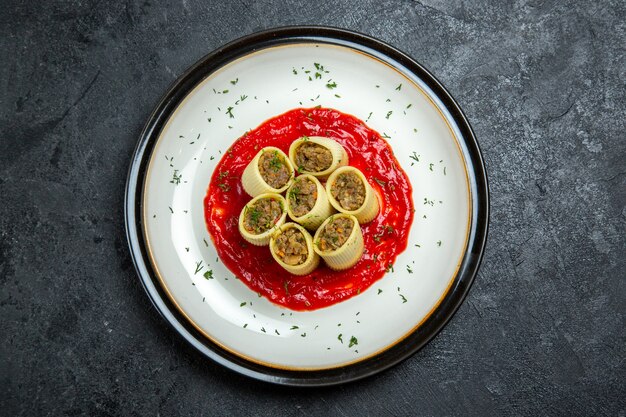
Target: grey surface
<point>542,331</point>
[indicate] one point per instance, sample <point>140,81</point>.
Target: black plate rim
<point>398,352</point>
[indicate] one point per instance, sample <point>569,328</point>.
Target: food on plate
<point>270,171</point>
<point>262,217</point>
<point>307,203</point>
<point>339,241</point>
<point>292,247</point>
<point>349,192</point>
<point>384,238</point>
<point>317,156</point>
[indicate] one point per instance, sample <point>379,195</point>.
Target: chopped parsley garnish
<point>353,341</point>
<point>294,328</point>
<point>254,218</point>
<point>403,298</point>
<point>275,162</point>
<point>331,85</point>
<point>208,274</point>
<point>176,177</point>
<point>242,304</point>
<point>399,87</point>
<point>235,81</point>
<point>389,113</point>
<point>415,157</point>
<point>340,337</point>
<point>409,270</point>
<point>199,267</point>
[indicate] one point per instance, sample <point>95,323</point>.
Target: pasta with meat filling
<point>262,217</point>
<point>317,156</point>
<point>292,248</point>
<point>339,241</point>
<point>349,192</point>
<point>270,171</point>
<point>307,203</point>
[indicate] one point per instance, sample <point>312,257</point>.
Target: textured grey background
<point>543,329</point>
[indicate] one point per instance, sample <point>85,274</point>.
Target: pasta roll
<point>270,171</point>
<point>339,241</point>
<point>317,156</point>
<point>349,192</point>
<point>261,218</point>
<point>292,247</point>
<point>307,203</point>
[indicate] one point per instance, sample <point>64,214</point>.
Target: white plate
<point>258,85</point>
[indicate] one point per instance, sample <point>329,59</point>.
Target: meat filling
<point>273,169</point>
<point>349,191</point>
<point>291,247</point>
<point>302,197</point>
<point>312,157</point>
<point>335,234</point>
<point>262,215</point>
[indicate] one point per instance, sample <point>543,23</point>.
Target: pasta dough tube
<point>253,180</point>
<point>338,153</point>
<point>279,249</point>
<point>257,222</point>
<point>370,206</point>
<point>349,253</point>
<point>300,194</point>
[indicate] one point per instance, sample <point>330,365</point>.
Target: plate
<point>235,89</point>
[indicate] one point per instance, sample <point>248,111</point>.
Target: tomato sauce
<point>385,237</point>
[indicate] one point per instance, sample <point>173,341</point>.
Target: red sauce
<point>385,237</point>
